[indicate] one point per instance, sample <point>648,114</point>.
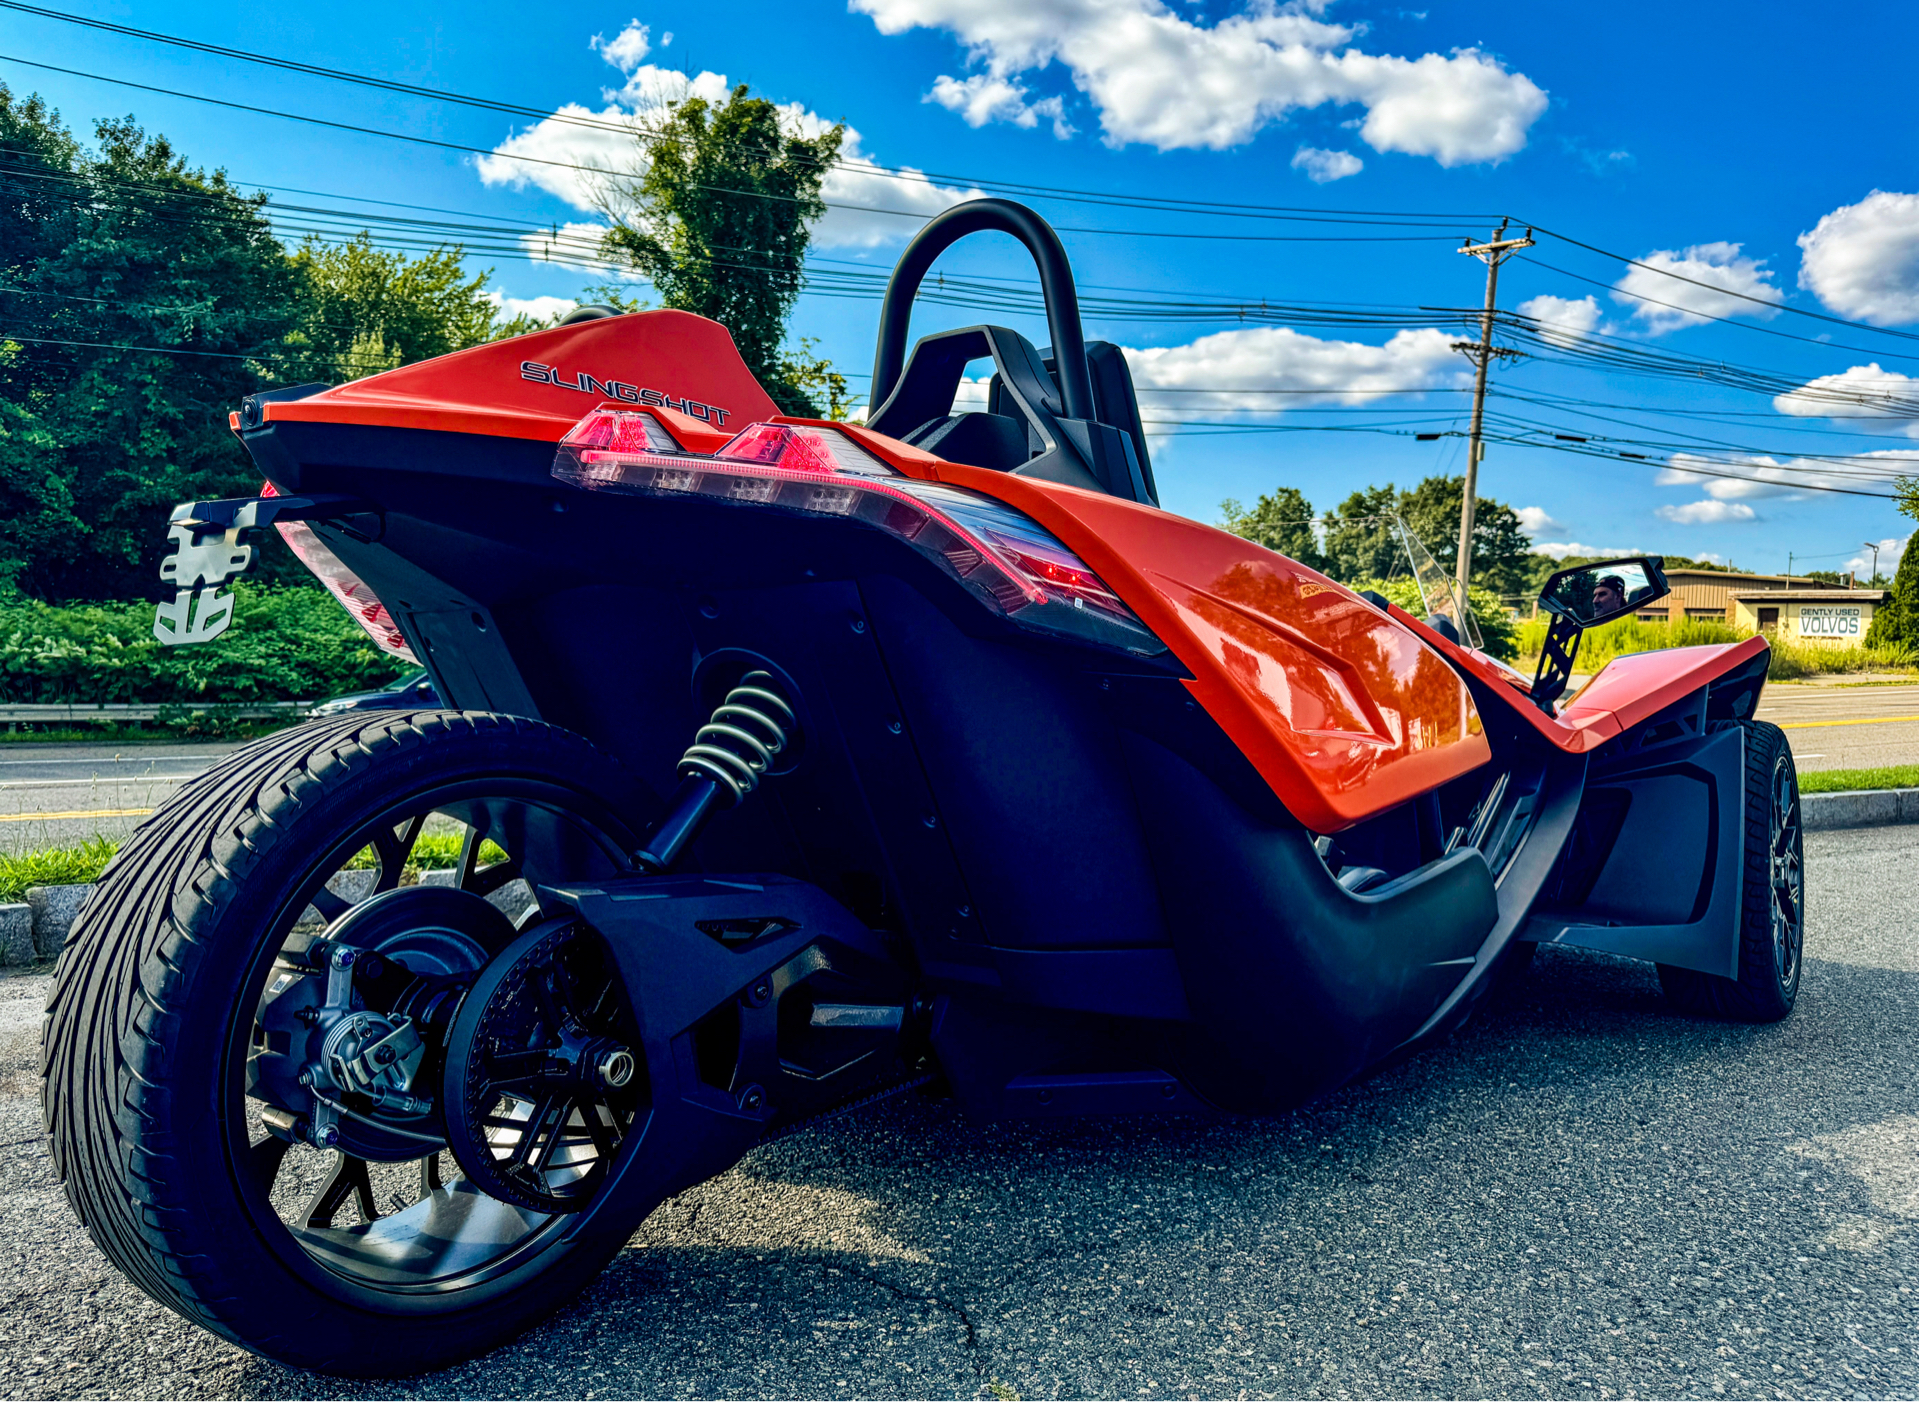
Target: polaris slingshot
<point>793,764</point>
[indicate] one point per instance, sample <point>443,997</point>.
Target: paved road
<point>1846,727</point>
<point>58,795</point>
<point>1581,1195</point>
<point>53,795</point>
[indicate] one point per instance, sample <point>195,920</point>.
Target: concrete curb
<point>1863,808</point>
<point>37,928</point>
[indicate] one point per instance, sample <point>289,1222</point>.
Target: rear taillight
<point>1008,559</point>
<point>344,585</point>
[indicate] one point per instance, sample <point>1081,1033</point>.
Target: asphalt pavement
<point>1846,725</point>
<point>61,795</point>
<point>1581,1194</point>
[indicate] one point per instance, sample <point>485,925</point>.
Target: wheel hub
<point>350,1035</point>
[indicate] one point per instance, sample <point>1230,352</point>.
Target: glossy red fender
<point>1621,694</point>
<point>1342,709</point>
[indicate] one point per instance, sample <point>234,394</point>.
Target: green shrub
<point>1789,658</point>
<point>286,644</point>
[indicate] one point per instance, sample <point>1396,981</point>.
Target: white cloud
<point>1863,398</point>
<point>983,98</point>
<point>627,49</point>
<point>1322,167</point>
<point>1686,303</point>
<point>1228,370</point>
<point>1158,78</point>
<point>1891,550</point>
<point>1535,521</point>
<point>1562,320</point>
<point>1707,513</point>
<point>1765,476</point>
<point>612,152</point>
<point>1862,260</point>
<point>1560,549</point>
<point>541,308</point>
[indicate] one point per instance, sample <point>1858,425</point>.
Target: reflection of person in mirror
<point>1609,595</point>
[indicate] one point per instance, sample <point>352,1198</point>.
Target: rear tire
<point>154,1002</point>
<point>1772,915</point>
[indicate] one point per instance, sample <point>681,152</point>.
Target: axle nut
<point>615,1068</point>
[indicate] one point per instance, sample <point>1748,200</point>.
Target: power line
<point>1723,320</point>
<point>1728,292</point>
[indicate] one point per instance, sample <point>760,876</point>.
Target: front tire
<point>1772,914</point>
<point>157,1007</point>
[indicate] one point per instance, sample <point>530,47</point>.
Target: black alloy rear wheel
<point>193,965</point>
<point>1772,914</point>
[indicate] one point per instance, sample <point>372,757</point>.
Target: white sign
<point>1836,621</point>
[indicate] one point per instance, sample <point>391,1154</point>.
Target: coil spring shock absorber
<point>724,764</point>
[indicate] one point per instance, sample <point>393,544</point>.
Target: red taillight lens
<point>344,585</point>
<point>1019,567</point>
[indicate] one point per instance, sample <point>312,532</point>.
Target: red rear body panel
<point>1345,711</point>
<point>539,386</point>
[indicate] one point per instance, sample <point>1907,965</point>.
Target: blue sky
<point>1745,147</point>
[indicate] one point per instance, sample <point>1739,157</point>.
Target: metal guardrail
<point>71,711</point>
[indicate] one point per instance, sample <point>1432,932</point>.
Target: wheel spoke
<point>347,1179</point>
<point>602,1133</point>
<point>393,846</point>
<point>530,1132</point>
<point>330,904</point>
<point>553,1141</point>
<point>430,1179</point>
<point>263,1161</point>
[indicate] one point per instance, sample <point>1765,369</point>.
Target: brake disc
<point>543,1073</point>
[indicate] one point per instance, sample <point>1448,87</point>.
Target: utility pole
<point>1482,353</point>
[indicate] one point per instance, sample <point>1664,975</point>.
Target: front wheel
<point>1772,915</point>
<point>206,991</point>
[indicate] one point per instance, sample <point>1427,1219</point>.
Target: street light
<point>1875,558</point>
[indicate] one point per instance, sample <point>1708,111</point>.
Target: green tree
<point>720,221</point>
<point>1896,621</point>
<point>1501,549</point>
<point>365,309</point>
<point>1362,541</point>
<point>1282,521</point>
<point>142,299</point>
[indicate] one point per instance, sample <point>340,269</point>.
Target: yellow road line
<point>1869,720</point>
<point>92,813</point>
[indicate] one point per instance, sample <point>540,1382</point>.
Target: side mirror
<point>1581,598</point>
<point>1589,595</point>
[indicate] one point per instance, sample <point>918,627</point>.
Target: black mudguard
<point>1295,984</point>
<point>1652,870</point>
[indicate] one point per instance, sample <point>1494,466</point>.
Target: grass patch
<point>57,866</point>
<point>1894,776</point>
<point>75,866</point>
<point>1790,659</point>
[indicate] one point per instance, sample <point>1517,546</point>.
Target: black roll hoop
<point>1055,281</point>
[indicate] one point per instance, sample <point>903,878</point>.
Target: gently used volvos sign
<point>614,389</point>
